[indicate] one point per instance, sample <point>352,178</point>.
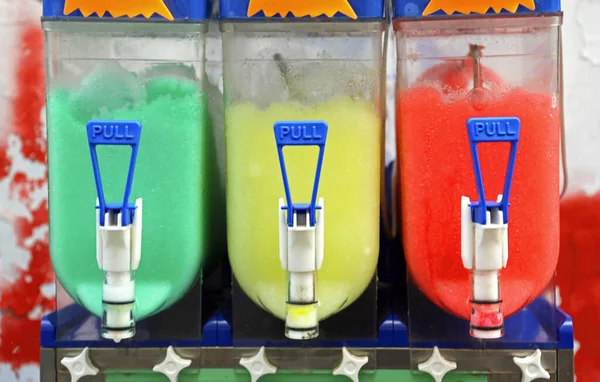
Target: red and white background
<point>27,289</point>
<point>26,281</point>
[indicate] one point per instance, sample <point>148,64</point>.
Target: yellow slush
<point>349,185</point>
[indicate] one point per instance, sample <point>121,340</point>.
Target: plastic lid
<point>171,10</point>
<point>429,8</point>
<point>304,9</point>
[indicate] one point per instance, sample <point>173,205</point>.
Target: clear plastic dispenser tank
<point>132,72</point>
<point>479,114</point>
<point>297,74</point>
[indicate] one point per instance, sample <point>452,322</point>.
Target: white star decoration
<point>80,365</point>
<point>258,365</point>
<point>350,365</point>
<point>531,367</point>
<point>172,365</point>
<point>437,366</point>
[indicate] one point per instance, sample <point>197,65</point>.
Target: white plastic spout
<point>301,249</point>
<point>118,252</point>
<point>484,250</point>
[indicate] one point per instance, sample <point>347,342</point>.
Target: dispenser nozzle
<point>484,233</point>
<point>485,254</point>
<point>118,252</point>
<point>301,233</point>
<point>301,254</point>
<point>118,232</point>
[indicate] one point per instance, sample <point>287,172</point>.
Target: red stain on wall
<point>579,278</point>
<point>20,340</point>
<point>30,98</point>
<point>19,328</point>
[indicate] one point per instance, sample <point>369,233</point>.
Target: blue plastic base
<point>82,329</point>
<point>531,328</point>
<point>388,337</point>
<point>537,326</point>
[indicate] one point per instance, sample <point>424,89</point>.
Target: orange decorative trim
<point>119,8</point>
<point>476,6</point>
<point>301,8</point>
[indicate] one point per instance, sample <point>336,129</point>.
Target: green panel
<point>231,375</point>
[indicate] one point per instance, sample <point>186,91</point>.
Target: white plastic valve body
<point>301,249</point>
<point>118,252</point>
<point>484,250</point>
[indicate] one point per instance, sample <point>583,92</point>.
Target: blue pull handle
<point>491,130</point>
<point>114,133</point>
<point>301,133</point>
